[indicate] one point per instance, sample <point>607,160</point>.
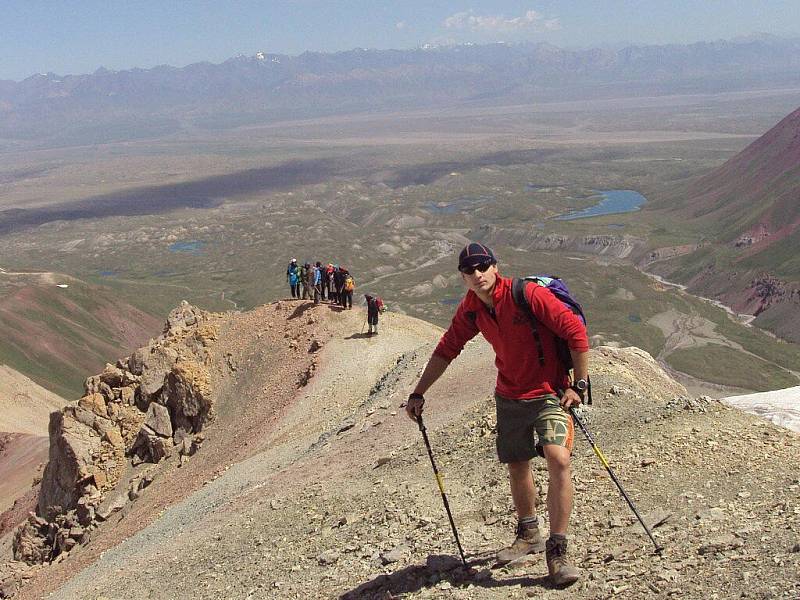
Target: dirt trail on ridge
<point>326,491</point>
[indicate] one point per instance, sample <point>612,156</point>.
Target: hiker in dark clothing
<point>304,271</point>
<point>330,275</point>
<point>338,283</point>
<point>533,393</point>
<point>293,277</point>
<point>348,287</point>
<point>320,279</point>
<point>327,292</point>
<point>374,308</point>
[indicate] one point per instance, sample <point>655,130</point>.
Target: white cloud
<point>400,25</point>
<point>531,20</point>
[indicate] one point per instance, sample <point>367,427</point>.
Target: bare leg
<point>559,491</point>
<point>523,490</point>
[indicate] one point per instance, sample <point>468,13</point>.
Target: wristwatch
<point>579,387</point>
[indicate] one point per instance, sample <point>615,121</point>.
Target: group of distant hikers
<point>330,283</point>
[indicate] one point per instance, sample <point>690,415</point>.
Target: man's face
<point>480,281</point>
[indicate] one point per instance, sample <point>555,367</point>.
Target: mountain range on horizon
<point>262,87</point>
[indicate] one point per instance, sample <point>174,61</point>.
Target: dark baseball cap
<point>475,254</point>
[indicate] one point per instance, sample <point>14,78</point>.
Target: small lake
<point>188,246</point>
<point>612,202</point>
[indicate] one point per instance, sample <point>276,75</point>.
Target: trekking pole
<point>603,460</point>
<point>441,488</point>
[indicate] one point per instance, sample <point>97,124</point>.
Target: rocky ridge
<point>334,496</point>
<point>140,410</point>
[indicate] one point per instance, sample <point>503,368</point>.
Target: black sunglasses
<point>482,267</point>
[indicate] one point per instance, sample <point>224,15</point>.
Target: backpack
<point>349,284</point>
<point>560,290</point>
<point>379,304</point>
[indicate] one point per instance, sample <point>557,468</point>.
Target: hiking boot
<point>529,541</point>
<point>562,573</point>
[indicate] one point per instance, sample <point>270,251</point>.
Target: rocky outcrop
<point>143,409</point>
<point>71,468</point>
<point>666,253</point>
<point>187,393</point>
<point>765,291</point>
<point>617,246</point>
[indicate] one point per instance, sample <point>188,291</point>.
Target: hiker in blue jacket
<point>316,281</point>
<point>293,277</point>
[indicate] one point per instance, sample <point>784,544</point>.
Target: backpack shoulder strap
<point>518,286</point>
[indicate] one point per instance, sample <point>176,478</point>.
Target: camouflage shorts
<point>518,420</point>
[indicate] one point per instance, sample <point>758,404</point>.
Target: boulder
<point>72,444</point>
<point>102,425</point>
<point>110,505</point>
<point>116,377</point>
<point>100,478</point>
<point>720,543</point>
<point>85,511</point>
<point>30,543</point>
<point>127,395</point>
<point>152,363</point>
<point>150,447</point>
<point>328,557</point>
<point>181,317</point>
<point>81,415</point>
<point>94,403</point>
<point>396,554</point>
<point>114,437</point>
<point>187,392</point>
<point>158,420</point>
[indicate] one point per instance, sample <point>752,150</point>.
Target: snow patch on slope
<point>782,407</point>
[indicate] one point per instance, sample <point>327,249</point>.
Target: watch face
<point>580,384</point>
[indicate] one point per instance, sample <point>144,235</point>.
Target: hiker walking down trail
<point>293,277</point>
<point>533,393</point>
<point>374,308</point>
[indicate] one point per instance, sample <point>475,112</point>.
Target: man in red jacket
<point>530,396</point>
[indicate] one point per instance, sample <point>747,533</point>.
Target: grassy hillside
<point>59,336</point>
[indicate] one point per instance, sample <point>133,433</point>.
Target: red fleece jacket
<point>508,330</point>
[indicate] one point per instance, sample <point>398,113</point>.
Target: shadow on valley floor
<point>201,193</point>
<point>425,174</point>
<point>213,191</point>
<point>438,568</point>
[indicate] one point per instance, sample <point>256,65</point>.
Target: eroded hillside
<point>310,482</point>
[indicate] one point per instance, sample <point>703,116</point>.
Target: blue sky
<point>78,36</point>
